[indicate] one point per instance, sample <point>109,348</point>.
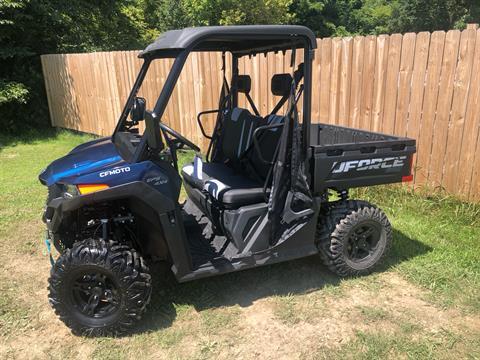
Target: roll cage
<point>239,41</point>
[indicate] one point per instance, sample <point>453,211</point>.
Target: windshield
<point>148,85</point>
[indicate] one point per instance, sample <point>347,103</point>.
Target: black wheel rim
<point>363,241</point>
<point>95,294</point>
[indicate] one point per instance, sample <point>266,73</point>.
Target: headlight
<point>70,191</point>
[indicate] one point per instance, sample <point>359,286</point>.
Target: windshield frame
<point>162,101</point>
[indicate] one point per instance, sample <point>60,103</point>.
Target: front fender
<point>168,215</point>
<point>137,190</point>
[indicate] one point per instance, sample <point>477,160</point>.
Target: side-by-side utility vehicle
<point>272,187</point>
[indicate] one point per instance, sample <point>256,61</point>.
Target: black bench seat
<point>223,184</point>
<point>237,177</point>
<point>230,183</point>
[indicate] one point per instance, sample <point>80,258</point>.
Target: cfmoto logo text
<point>369,164</point>
<point>114,171</point>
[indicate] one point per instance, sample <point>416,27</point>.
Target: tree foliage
<point>173,14</point>
<point>365,17</point>
<point>427,15</point>
<point>29,28</point>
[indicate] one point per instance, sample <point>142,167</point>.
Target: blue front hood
<point>86,158</point>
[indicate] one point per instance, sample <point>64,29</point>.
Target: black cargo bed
<point>343,158</point>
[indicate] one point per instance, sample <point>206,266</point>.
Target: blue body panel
<point>86,158</point>
<point>98,162</point>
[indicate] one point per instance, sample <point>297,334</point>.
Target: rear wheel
<point>353,237</point>
<point>99,288</point>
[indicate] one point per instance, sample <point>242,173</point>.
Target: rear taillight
<point>409,178</point>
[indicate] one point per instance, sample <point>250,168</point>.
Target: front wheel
<point>353,237</point>
<point>99,288</point>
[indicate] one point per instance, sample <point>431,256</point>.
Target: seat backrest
<point>238,127</point>
<point>268,141</point>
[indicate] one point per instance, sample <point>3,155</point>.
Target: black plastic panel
<point>344,158</point>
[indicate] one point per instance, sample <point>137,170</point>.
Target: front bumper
<point>53,213</point>
<point>58,208</point>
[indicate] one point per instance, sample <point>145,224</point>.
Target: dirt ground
<point>286,311</point>
<point>423,304</point>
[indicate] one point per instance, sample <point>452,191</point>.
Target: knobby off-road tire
<point>99,288</point>
<point>353,237</point>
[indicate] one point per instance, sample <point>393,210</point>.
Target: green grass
<point>437,242</point>
<point>21,161</point>
<point>436,247</point>
<point>184,157</point>
<point>380,345</point>
<point>372,314</point>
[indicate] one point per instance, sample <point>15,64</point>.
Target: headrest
<point>244,83</point>
<point>281,84</point>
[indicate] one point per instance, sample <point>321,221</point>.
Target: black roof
<point>241,39</point>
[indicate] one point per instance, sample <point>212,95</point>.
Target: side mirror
<point>137,113</point>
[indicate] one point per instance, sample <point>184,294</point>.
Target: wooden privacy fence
<point>425,86</point>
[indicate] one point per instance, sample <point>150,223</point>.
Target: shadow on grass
<point>243,288</point>
<point>28,137</point>
<point>31,136</point>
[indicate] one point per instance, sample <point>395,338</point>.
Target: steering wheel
<point>179,138</point>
